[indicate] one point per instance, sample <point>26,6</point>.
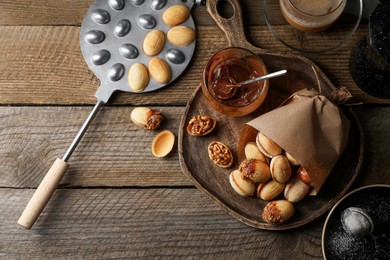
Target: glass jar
<point>311,15</point>
<point>228,67</point>
<point>369,62</point>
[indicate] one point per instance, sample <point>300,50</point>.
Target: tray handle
<point>233,27</point>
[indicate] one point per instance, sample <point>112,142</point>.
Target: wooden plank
<point>376,163</point>
<point>116,153</point>
<point>72,12</point>
<point>127,223</point>
<point>67,12</point>
<point>38,68</point>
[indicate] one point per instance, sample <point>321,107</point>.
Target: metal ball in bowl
<point>357,222</point>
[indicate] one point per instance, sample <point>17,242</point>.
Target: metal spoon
<point>231,89</point>
<point>268,76</point>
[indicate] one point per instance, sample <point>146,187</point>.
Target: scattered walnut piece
<point>154,119</point>
<point>146,117</point>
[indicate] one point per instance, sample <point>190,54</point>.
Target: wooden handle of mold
<point>43,193</point>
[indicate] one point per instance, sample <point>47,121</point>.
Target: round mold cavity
<point>175,56</point>
<point>158,4</point>
<point>146,21</point>
<point>129,51</point>
<point>137,2</point>
<point>116,72</point>
<point>116,4</point>
<point>94,36</point>
<point>122,28</point>
<point>100,57</point>
<point>100,16</point>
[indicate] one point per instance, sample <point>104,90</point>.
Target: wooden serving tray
<point>214,181</point>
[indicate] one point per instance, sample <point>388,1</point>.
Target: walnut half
<point>220,154</point>
<point>201,125</point>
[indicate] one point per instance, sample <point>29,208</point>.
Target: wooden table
<point>117,200</point>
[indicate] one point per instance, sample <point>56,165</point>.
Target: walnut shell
<point>181,36</point>
<point>176,14</point>
<point>163,143</point>
<point>159,70</point>
<point>138,77</point>
<point>154,43</point>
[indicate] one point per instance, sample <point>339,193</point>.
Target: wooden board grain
<point>147,223</point>
<point>39,12</point>
<point>71,12</point>
<point>38,68</point>
<point>107,209</point>
<point>114,151</point>
<point>376,124</point>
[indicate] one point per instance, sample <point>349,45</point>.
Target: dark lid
<point>379,29</point>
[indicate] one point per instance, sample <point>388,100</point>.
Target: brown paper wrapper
<point>310,128</point>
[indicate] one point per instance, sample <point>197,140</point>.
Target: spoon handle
<point>381,243</point>
<point>268,76</point>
